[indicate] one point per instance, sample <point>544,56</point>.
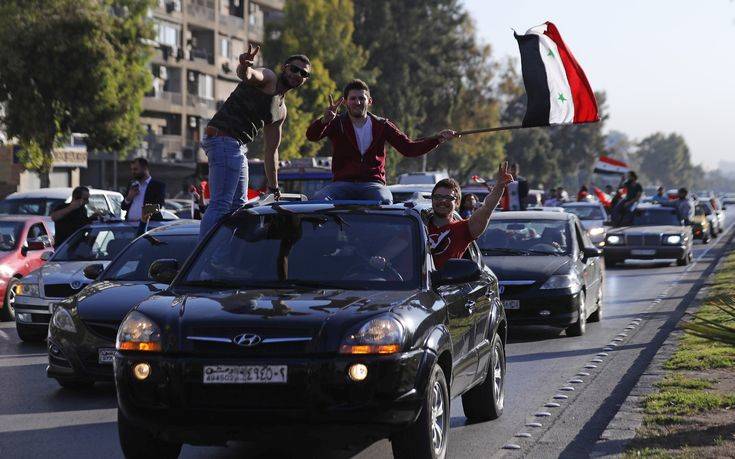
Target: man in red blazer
<point>359,146</point>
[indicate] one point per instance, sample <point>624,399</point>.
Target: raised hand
<point>503,177</point>
<point>247,59</point>
<point>445,135</point>
<point>331,111</point>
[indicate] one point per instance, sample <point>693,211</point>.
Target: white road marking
<point>4,335</point>
<point>38,421</point>
<point>23,361</point>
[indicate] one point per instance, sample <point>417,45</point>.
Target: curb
<point>622,428</point>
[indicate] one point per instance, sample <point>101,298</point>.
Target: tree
<point>72,66</point>
<point>666,160</point>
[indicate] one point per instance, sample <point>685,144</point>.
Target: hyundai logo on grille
<point>247,340</point>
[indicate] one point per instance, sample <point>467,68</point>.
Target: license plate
<point>643,252</point>
<point>105,355</point>
<point>245,374</point>
<point>511,304</point>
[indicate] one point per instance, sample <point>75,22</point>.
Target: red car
<point>23,241</point>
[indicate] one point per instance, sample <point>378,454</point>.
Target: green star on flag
<point>562,98</point>
<point>550,53</point>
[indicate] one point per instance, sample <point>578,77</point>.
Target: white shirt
<point>364,135</point>
<point>135,212</point>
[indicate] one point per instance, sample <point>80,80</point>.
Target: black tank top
<point>247,111</point>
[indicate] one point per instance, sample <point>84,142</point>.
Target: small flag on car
<point>557,88</point>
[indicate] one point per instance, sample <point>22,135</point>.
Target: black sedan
<point>314,315</point>
<point>549,270</point>
<point>656,233</point>
<point>81,335</point>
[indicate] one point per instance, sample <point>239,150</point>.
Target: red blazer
<point>347,162</point>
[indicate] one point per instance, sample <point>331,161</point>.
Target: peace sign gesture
<point>247,59</point>
<point>503,177</point>
<point>331,111</point>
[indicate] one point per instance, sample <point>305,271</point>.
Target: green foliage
<point>678,380</point>
<point>682,402</point>
<point>665,159</point>
<point>72,66</point>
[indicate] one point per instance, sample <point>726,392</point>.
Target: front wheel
<point>485,402</point>
<point>685,260</point>
<point>580,326</point>
<point>139,443</point>
<point>427,437</point>
<point>7,313</point>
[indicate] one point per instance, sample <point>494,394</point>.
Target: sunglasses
<point>298,70</point>
<point>443,197</point>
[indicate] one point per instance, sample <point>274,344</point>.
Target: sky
<point>666,66</point>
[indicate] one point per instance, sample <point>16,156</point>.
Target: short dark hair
<point>355,84</point>
<point>298,57</point>
<point>141,161</point>
<point>633,174</point>
<point>683,191</point>
<point>77,192</point>
<point>448,183</point>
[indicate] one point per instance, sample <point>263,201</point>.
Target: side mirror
<point>163,271</point>
<point>36,244</point>
<point>591,252</point>
<point>46,256</point>
<point>456,271</point>
<point>93,271</point>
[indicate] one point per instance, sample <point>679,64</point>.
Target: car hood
<point>664,229</point>
<point>64,272</point>
<point>109,301</point>
<point>536,268</point>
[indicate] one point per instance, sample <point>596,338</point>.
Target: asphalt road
<point>642,304</point>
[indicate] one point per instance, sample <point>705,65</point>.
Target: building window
<point>255,15</point>
<point>206,87</point>
<point>225,47</point>
<point>168,33</point>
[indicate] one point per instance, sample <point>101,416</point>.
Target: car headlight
<point>138,333</point>
<point>27,289</point>
<point>614,239</point>
<point>596,231</point>
<point>383,335</point>
<point>63,321</point>
<point>673,239</point>
<point>569,281</point>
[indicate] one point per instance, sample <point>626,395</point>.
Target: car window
<point>136,259</point>
<point>650,217</point>
<point>36,231</point>
<point>115,204</point>
<point>586,212</point>
<point>29,206</point>
<point>523,237</point>
<point>287,248</point>
<point>95,243</point>
<point>98,202</point>
<point>9,235</point>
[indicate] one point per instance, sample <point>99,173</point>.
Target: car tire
<point>597,315</point>
<point>485,402</point>
<point>580,326</point>
<point>75,385</point>
<point>138,443</point>
<point>685,260</point>
<point>29,334</point>
<point>609,262</point>
<point>7,313</point>
<point>432,426</point>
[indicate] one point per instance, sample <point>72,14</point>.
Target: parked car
<point>81,337</point>
<point>705,207</point>
<point>260,338</point>
<point>63,274</point>
<point>403,193</point>
<point>727,200</point>
<point>422,178</point>
<point>593,217</point>
<point>656,233</point>
<point>44,200</point>
<point>549,270</point>
<point>25,244</point>
<point>701,228</point>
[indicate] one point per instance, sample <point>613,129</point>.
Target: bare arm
<point>479,220</point>
<point>272,139</point>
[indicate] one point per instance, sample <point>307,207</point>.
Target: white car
<point>592,216</point>
<point>402,193</point>
<point>44,200</point>
<point>422,178</point>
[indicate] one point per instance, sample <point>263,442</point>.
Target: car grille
<point>60,290</point>
<point>643,239</point>
<point>204,340</point>
<point>511,288</point>
<point>104,330</point>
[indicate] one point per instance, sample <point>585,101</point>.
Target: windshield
<point>29,206</point>
<point>330,250</point>
<point>136,259</point>
<point>586,212</point>
<point>526,237</point>
<point>701,209</point>
<point>95,243</point>
<point>9,235</point>
<point>649,217</point>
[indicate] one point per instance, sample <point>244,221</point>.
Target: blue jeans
<point>354,191</point>
<point>228,179</point>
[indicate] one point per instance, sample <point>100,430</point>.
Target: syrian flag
<point>610,166</point>
<point>557,88</point>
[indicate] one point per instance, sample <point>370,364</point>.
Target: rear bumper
<point>545,307</point>
<point>665,252</point>
<point>174,403</point>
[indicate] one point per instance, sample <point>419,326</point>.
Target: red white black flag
<point>611,166</point>
<point>557,88</point>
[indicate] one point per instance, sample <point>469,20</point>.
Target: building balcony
<point>163,101</point>
<point>200,11</point>
<point>201,55</point>
<point>232,23</point>
<point>200,102</point>
<point>271,4</point>
<point>168,55</point>
<point>256,32</point>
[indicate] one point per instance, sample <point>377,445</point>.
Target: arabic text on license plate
<point>245,374</point>
<point>105,355</point>
<point>643,252</point>
<point>511,304</point>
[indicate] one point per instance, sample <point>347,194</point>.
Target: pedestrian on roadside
<point>142,190</point>
<point>517,189</point>
<point>359,141</point>
<point>69,217</point>
<point>467,206</point>
<point>257,104</point>
<point>449,237</point>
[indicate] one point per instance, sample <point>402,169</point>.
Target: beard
<point>284,81</point>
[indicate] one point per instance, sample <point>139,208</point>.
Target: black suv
<point>311,314</point>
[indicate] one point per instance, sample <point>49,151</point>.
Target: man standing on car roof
<point>256,104</point>
<point>449,237</point>
<point>359,146</point>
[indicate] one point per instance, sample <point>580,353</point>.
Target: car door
<point>479,306</point>
<point>591,267</point>
<point>36,232</point>
<point>462,330</point>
